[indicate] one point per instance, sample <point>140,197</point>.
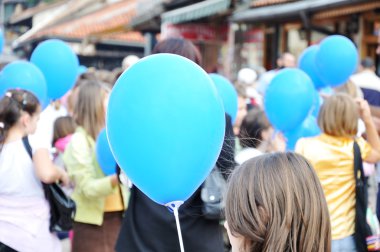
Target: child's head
<point>63,126</point>
<point>179,46</point>
<point>90,107</point>
<point>255,129</point>
<point>18,108</point>
<point>274,202</point>
<point>339,116</point>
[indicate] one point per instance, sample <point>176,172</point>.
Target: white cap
<point>129,61</point>
<point>247,76</point>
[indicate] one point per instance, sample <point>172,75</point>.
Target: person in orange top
<point>332,156</point>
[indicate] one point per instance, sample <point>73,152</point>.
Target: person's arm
<point>371,132</point>
<point>46,171</point>
<point>375,111</point>
<point>78,159</point>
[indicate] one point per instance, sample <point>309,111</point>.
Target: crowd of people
<point>276,200</point>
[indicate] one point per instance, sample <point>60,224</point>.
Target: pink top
<point>61,143</point>
<point>28,218</point>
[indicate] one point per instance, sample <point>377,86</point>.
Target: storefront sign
<point>195,32</point>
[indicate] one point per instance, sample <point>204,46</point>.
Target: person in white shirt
<point>367,80</point>
<point>24,211</point>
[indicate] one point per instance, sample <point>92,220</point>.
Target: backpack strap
<point>27,146</point>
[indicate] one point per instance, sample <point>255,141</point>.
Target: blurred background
<point>231,34</point>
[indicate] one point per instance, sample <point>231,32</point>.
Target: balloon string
<point>178,228</point>
<point>173,207</point>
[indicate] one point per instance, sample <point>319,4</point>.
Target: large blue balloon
<point>24,75</point>
<point>308,128</point>
<point>288,99</point>
<point>336,60</point>
<point>165,124</point>
<point>104,155</point>
<point>228,94</point>
<point>307,64</point>
<point>59,64</point>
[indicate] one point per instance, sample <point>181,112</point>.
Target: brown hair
<point>252,127</point>
<point>11,106</point>
<point>63,126</point>
<point>179,46</point>
<point>276,203</point>
<point>89,107</point>
<point>339,116</point>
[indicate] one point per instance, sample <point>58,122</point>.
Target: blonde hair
<point>348,88</point>
<point>89,111</point>
<point>339,116</point>
<point>276,203</point>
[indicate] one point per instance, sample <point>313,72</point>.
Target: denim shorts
<point>346,244</point>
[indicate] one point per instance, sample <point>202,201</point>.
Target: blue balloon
<point>24,75</point>
<point>104,155</point>
<point>82,69</point>
<point>317,103</point>
<point>308,128</point>
<point>59,64</point>
<point>165,124</point>
<point>336,60</point>
<point>307,64</point>
<point>228,94</point>
<point>288,99</point>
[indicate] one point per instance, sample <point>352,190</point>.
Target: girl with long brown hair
<point>276,203</point>
<point>98,197</point>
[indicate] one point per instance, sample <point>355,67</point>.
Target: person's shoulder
<point>78,136</point>
<point>307,142</point>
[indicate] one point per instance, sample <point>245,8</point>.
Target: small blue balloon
<point>307,64</point>
<point>317,103</point>
<point>24,75</point>
<point>336,60</point>
<point>167,150</point>
<point>104,155</point>
<point>327,91</point>
<point>82,69</point>
<point>308,128</point>
<point>59,64</point>
<point>288,99</point>
<point>228,94</point>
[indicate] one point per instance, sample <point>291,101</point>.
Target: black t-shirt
<point>148,226</point>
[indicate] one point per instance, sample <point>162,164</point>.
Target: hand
<point>65,180</point>
<point>114,180</point>
<point>364,110</point>
<point>279,142</point>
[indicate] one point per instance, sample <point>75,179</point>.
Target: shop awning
<point>147,10</point>
<point>195,11</point>
<point>288,10</point>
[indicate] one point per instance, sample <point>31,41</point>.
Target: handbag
<point>213,195</point>
<point>62,207</point>
<point>362,229</point>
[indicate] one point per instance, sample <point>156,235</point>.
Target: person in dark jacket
<point>148,226</point>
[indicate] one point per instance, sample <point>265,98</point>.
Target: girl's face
<point>30,121</point>
<point>236,242</point>
<point>105,101</point>
<point>242,112</point>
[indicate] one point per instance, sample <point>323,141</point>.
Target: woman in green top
<point>98,197</point>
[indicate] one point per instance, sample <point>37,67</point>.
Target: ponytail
<point>11,106</point>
